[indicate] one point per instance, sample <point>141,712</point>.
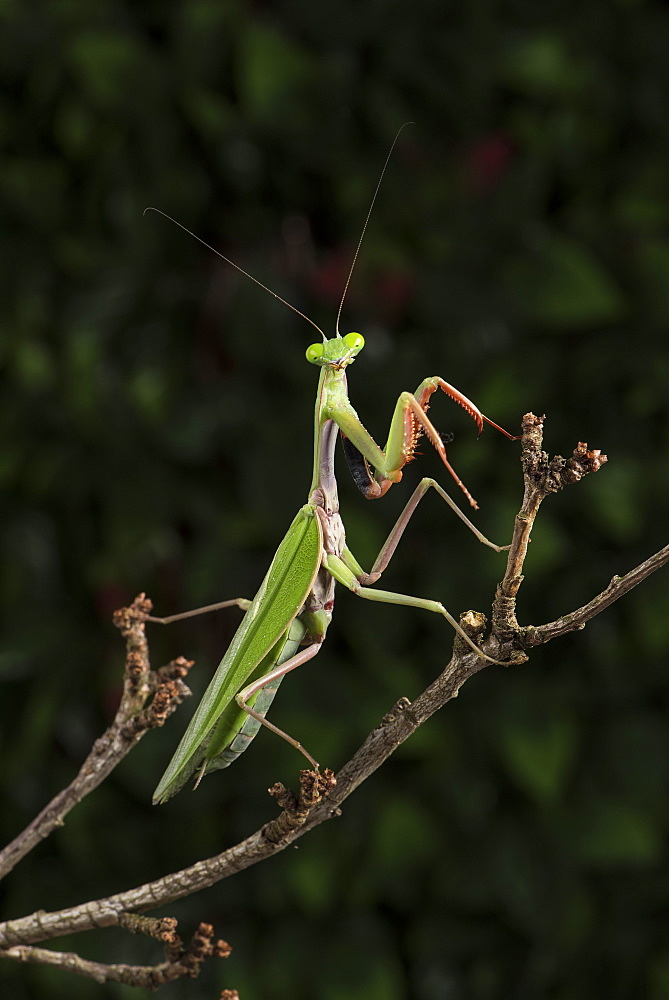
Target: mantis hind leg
<point>243,696</point>
<point>346,576</point>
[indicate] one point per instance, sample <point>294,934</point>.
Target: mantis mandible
<point>286,622</point>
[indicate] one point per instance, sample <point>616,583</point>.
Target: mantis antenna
<point>236,266</point>
<point>364,228</point>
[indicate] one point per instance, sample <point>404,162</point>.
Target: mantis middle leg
<point>388,548</point>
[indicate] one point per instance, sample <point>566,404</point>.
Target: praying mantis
<point>285,624</point>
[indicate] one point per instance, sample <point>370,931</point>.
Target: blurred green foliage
<point>156,424</point>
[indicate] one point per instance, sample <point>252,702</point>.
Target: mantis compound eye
<point>354,341</point>
<point>314,353</point>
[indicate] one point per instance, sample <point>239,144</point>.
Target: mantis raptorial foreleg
<point>375,470</point>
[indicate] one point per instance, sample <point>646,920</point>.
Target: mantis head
<point>336,353</point>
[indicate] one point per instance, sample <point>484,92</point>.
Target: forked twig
<point>180,961</point>
<point>163,690</point>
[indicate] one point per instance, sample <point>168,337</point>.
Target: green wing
<point>236,728</point>
<point>280,598</point>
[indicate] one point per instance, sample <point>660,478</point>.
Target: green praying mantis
<point>286,622</point>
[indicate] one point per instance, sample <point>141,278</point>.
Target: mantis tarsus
<point>286,622</point>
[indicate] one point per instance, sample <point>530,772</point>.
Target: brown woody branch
<point>180,961</point>
<point>163,690</point>
<point>575,620</point>
<point>321,796</point>
<point>541,477</point>
<point>319,800</point>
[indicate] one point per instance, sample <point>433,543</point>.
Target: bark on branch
<point>179,962</point>
<point>163,690</point>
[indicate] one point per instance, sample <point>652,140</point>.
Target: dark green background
<point>155,433</point>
